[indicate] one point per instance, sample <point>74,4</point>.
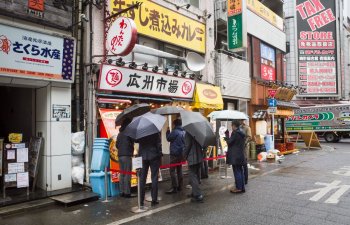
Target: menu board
<point>15,160</point>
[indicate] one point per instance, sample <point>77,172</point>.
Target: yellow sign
<point>208,97</point>
<point>163,24</point>
<point>265,13</point>
<point>234,7</point>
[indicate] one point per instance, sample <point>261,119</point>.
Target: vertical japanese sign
<point>158,22</point>
<point>236,29</point>
<point>28,54</point>
<point>268,62</point>
<point>317,48</point>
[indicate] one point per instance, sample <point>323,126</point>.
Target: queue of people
<point>183,147</point>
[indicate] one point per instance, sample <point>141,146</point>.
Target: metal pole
<point>138,208</point>
<point>106,185</point>
<point>273,130</point>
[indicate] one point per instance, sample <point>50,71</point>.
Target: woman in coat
<point>235,156</point>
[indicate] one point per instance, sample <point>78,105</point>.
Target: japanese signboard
<point>236,28</point>
<point>121,36</point>
<point>317,49</point>
<point>264,12</point>
<point>29,54</point>
<point>163,24</point>
<point>60,112</point>
<point>123,79</point>
<point>268,62</point>
<point>37,5</point>
<point>234,7</point>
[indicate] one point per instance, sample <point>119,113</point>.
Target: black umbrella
<point>131,112</point>
<point>145,125</point>
<point>199,127</point>
<point>168,110</point>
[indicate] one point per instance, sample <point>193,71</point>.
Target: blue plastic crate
<point>100,159</point>
<point>97,183</point>
<point>97,180</point>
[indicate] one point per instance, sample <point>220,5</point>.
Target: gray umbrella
<point>145,125</point>
<point>131,112</point>
<point>199,127</point>
<point>168,110</point>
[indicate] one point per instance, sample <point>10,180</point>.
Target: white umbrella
<point>228,115</point>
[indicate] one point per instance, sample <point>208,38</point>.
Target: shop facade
<point>37,68</point>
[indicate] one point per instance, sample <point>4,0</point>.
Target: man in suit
<point>150,149</point>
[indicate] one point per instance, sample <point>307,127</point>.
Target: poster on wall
<point>268,62</point>
<point>29,54</point>
<point>317,47</point>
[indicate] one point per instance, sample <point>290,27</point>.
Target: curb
<point>19,208</point>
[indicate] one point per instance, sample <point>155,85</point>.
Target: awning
<point>288,105</point>
<point>208,97</point>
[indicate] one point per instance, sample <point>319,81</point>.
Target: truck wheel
<point>337,139</point>
<point>330,137</point>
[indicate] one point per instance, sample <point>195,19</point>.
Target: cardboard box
<point>259,139</point>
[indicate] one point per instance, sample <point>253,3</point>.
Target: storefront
<point>36,72</point>
<point>261,121</point>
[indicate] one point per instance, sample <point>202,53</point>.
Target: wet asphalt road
<point>271,198</point>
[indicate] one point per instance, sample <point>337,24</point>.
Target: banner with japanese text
<point>122,79</point>
<point>317,48</point>
<point>264,12</point>
<point>28,54</point>
<point>236,27</point>
<point>268,62</point>
<point>161,23</point>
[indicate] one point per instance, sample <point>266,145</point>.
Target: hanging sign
<point>121,36</point>
<point>122,79</point>
<point>236,27</point>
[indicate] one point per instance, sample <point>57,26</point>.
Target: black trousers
<point>154,165</point>
<point>194,172</point>
<point>176,181</point>
<point>245,171</point>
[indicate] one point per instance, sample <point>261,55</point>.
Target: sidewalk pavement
<point>118,210</point>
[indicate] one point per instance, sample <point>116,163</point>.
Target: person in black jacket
<point>150,149</point>
<point>194,155</point>
<point>125,146</point>
<point>177,143</point>
<point>235,156</point>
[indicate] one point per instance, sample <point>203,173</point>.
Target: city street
<point>311,187</point>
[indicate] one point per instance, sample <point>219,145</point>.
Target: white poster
<point>136,163</point>
<point>10,178</point>
<point>35,55</point>
<point>19,145</point>
<point>122,79</point>
<point>22,155</point>
<point>11,154</point>
<point>15,168</point>
<point>22,180</point>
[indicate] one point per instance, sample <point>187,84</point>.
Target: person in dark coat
<point>177,143</point>
<point>235,156</point>
<point>125,146</point>
<point>194,155</point>
<point>150,149</point>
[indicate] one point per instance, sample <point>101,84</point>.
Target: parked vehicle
<point>332,122</point>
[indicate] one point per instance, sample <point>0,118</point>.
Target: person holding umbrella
<point>248,138</point>
<point>145,129</point>
<point>177,143</point>
<point>125,146</point>
<point>235,156</point>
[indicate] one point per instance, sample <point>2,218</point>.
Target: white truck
<point>332,122</point>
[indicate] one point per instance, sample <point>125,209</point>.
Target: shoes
<point>236,191</point>
<point>189,195</point>
<point>154,203</point>
<point>129,195</point>
<point>171,191</point>
<point>188,186</point>
<point>121,194</point>
<point>179,188</point>
<point>198,199</point>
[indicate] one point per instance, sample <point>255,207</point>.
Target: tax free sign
<point>236,25</point>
